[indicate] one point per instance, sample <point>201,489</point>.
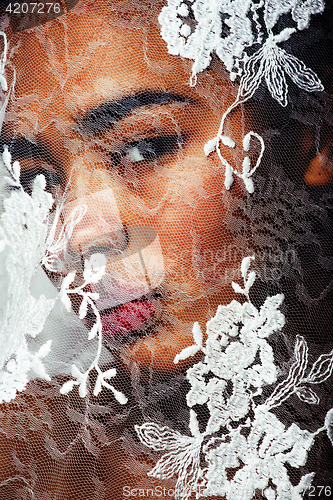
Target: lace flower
<point>264,453</point>
<point>22,315</point>
<point>232,29</point>
<point>228,28</point>
<point>25,245</point>
<point>238,361</point>
<point>221,27</point>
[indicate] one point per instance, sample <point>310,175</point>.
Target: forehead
<point>81,59</point>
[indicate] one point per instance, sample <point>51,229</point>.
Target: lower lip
<point>128,317</point>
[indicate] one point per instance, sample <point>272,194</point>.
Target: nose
<point>99,228</point>
<point>134,256</point>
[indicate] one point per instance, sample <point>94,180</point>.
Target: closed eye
<point>35,159</point>
<point>28,176</point>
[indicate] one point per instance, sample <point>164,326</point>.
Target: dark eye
<point>28,176</point>
<point>147,150</point>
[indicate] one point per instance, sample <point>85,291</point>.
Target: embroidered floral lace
<point>166,251</point>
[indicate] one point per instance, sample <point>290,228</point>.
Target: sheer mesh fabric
<point>141,243</point>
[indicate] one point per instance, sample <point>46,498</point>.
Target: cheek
<point>196,207</point>
<point>190,228</point>
<point>150,187</point>
<point>174,227</point>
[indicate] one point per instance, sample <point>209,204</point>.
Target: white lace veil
<point>166,250</point>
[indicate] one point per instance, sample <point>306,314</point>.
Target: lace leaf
<point>329,424</point>
<point>183,457</point>
<point>237,288</point>
<point>253,74</point>
<point>94,330</point>
<point>197,334</point>
<point>186,353</point>
<point>302,76</point>
<point>307,395</point>
<point>275,77</point>
<point>83,308</point>
<point>321,369</point>
<point>296,374</point>
<point>193,349</point>
<point>67,387</point>
<point>245,265</point>
<point>160,438</point>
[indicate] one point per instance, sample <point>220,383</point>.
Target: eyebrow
<point>94,121</point>
<point>107,114</point>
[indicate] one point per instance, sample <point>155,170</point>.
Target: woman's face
<point>117,125</point>
<point>109,118</point>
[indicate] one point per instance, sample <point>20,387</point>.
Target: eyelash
<point>147,150</point>
<point>141,151</point>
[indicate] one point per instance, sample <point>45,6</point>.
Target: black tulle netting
<point>166,315</point>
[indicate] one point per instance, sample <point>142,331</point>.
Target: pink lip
<point>128,317</point>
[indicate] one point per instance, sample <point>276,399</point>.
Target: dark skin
<point>181,195</point>
<point>83,66</point>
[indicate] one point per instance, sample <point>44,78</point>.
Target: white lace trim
<point>26,243</point>
<point>22,244</point>
<point>262,446</point>
<point>93,272</point>
<point>230,28</point>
